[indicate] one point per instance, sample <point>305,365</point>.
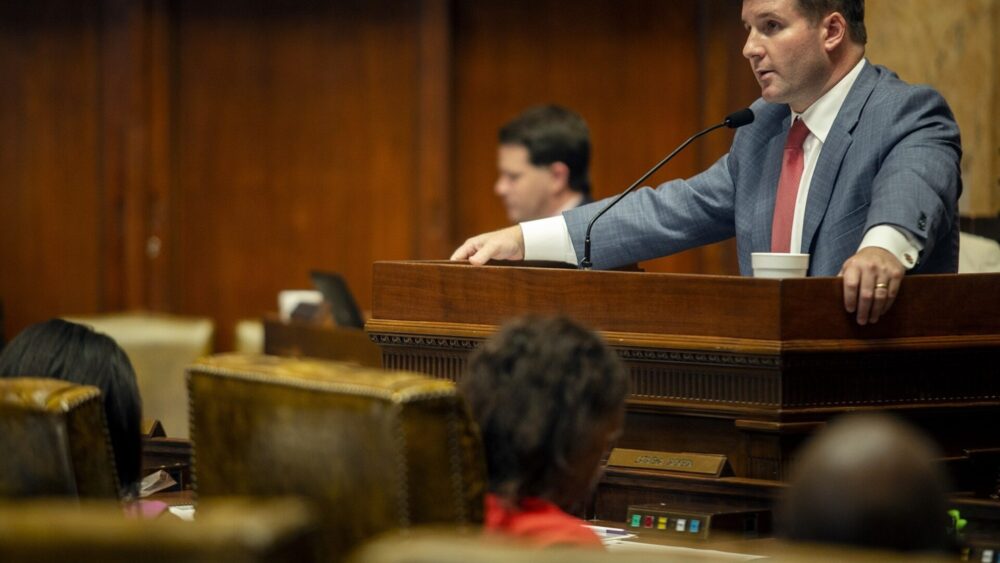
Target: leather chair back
<point>447,546</point>
<point>229,530</point>
<point>375,450</point>
<point>54,440</point>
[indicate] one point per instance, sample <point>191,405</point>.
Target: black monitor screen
<point>335,292</point>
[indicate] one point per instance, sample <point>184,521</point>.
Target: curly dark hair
<point>72,352</point>
<point>538,389</point>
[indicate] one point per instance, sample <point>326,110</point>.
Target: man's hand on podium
<point>871,283</point>
<point>505,244</point>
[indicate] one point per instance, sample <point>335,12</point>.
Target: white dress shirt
<point>548,239</point>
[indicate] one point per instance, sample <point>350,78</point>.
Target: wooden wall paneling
<point>433,236</point>
<point>630,68</point>
<point>51,255</point>
<point>126,149</point>
<point>159,76</point>
<point>294,131</point>
<point>728,82</point>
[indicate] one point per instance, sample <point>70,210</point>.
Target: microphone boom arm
<point>732,121</point>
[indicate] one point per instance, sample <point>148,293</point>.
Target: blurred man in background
<point>542,163</point>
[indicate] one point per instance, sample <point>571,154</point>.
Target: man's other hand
<point>871,283</point>
<point>505,244</point>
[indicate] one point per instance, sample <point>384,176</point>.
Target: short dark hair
<point>72,352</point>
<point>852,10</point>
<point>553,133</point>
<point>868,480</point>
<point>538,389</point>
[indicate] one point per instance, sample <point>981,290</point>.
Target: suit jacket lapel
<point>768,192</point>
<point>831,158</point>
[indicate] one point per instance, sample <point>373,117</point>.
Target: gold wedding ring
<point>881,286</point>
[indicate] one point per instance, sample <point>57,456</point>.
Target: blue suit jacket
<point>892,157</point>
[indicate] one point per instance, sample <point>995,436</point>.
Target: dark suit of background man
<point>880,175</point>
<point>542,163</point>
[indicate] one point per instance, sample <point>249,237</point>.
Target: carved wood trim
<point>778,427</point>
<point>893,344</point>
<point>698,357</point>
<point>647,346</point>
<point>448,366</point>
<point>381,329</point>
<point>727,376</point>
<point>704,384</point>
<point>425,342</point>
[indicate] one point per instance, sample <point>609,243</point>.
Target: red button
<point>648,522</point>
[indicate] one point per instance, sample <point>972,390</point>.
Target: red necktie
<point>788,188</point>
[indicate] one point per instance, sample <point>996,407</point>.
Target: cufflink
<point>908,258</point>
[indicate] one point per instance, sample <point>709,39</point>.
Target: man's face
<point>527,190</point>
<point>786,52</point>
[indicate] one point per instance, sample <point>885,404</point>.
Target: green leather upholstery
<point>226,530</point>
<point>375,450</point>
<point>54,440</point>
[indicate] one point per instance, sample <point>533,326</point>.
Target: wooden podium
<point>742,367</point>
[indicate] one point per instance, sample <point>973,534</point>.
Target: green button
<point>636,520</point>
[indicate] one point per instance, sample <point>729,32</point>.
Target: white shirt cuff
<point>897,241</point>
<point>548,239</point>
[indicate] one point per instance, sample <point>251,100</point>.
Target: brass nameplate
<point>674,462</point>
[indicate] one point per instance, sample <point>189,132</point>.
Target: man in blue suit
<point>873,192</point>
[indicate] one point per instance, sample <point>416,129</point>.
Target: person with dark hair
<point>843,161</point>
<point>543,162</point>
<point>869,481</point>
<point>71,352</point>
<point>549,398</point>
<point>852,10</point>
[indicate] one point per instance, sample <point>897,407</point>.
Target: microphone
<point>732,121</point>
